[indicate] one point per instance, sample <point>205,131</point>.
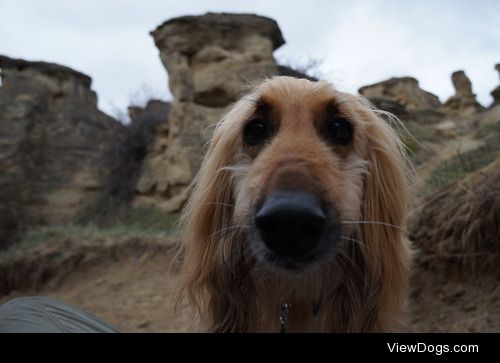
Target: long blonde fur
<point>363,289</point>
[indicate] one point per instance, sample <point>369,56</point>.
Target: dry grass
<point>458,228</point>
<point>461,165</point>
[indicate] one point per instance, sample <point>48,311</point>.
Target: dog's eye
<point>339,131</point>
<point>256,131</point>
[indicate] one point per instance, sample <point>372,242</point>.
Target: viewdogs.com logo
<point>437,349</point>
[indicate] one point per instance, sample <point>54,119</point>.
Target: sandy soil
<point>134,294</point>
<point>451,304</point>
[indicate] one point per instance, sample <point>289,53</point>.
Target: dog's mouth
<point>294,231</point>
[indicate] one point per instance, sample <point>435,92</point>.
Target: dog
<point>295,220</point>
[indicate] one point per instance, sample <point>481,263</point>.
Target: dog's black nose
<point>291,223</point>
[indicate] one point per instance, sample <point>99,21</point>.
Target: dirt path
<point>447,304</point>
<point>135,295</point>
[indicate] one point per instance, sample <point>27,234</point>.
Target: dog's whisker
<point>219,233</point>
<point>249,100</point>
<point>376,222</point>
<point>219,203</point>
<point>235,168</point>
<point>358,242</point>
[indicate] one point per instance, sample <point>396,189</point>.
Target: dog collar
<point>285,310</point>
<point>284,318</point>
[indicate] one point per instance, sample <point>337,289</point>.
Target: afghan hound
<point>295,219</point>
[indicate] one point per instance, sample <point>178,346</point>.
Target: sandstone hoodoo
<point>404,90</point>
<point>210,57</point>
<point>211,60</point>
<point>53,138</point>
<point>464,101</point>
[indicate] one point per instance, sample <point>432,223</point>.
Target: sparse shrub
<point>308,69</point>
<point>129,150</point>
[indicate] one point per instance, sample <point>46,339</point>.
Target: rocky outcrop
<point>464,101</point>
<point>53,140</point>
<point>405,91</point>
<point>404,98</point>
<point>496,92</point>
<point>211,60</point>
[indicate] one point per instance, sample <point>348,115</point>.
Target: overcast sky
<point>358,42</point>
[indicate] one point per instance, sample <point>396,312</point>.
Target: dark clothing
<point>44,315</point>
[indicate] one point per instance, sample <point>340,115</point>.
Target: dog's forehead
<point>287,92</point>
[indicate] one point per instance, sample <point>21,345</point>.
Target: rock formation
<point>211,60</point>
<point>405,91</point>
<point>210,57</point>
<point>404,98</point>
<point>53,140</point>
<point>464,102</point>
<point>496,92</point>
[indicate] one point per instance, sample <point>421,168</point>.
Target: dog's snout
<point>291,223</point>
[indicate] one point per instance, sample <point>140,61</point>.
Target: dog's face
<point>301,157</point>
<point>301,195</point>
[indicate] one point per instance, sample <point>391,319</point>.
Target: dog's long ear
<point>383,215</point>
<point>211,243</point>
